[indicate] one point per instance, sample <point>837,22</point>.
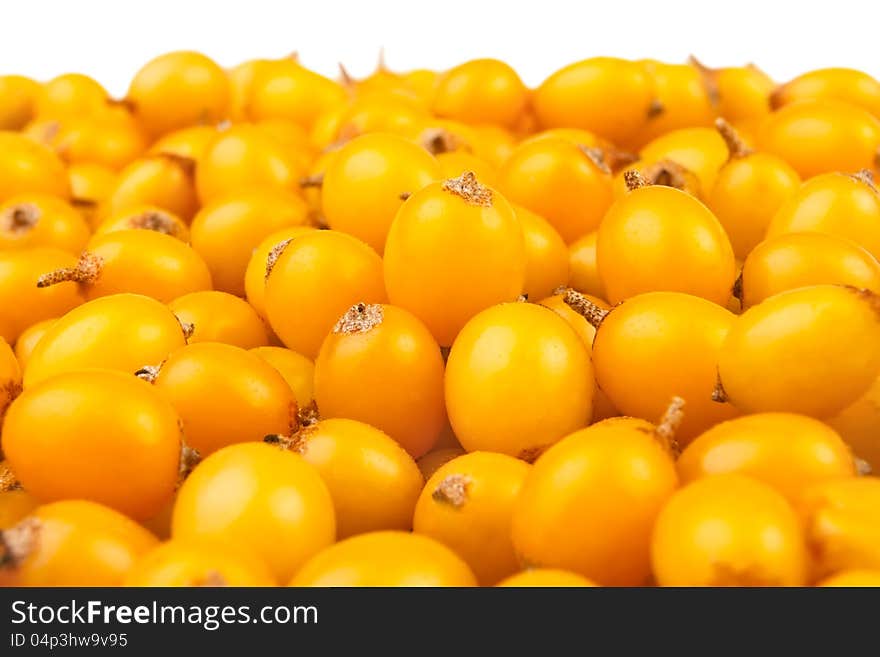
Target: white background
<point>111,39</point>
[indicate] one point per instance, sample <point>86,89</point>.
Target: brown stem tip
<point>438,140</point>
<point>361,317</point>
<point>671,174</point>
<point>85,272</point>
<point>157,221</point>
<point>655,109</point>
<point>308,415</point>
<point>312,181</point>
<point>452,490</point>
<point>149,373</point>
<point>735,144</point>
<point>188,329</point>
<point>578,302</point>
<point>273,256</point>
<point>17,542</point>
<point>635,180</point>
<point>719,395</point>
<point>186,164</point>
<point>295,442</point>
<point>597,157</point>
<point>19,218</point>
<point>669,424</point>
<point>189,459</point>
<point>469,188</point>
<point>8,480</point>
<point>866,176</point>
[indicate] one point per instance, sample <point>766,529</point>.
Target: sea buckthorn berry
<point>71,94</point>
<point>385,114</point>
<point>315,278</point>
<point>220,317</point>
<point>198,563</point>
<point>787,451</point>
<point>701,151</point>
<point>15,502</point>
<point>854,577</point>
<point>38,220</point>
<point>436,458</point>
<point>609,480</point>
<point>859,424</point>
<point>72,543</point>
<point>189,143</point>
<point>65,436</point>
<point>364,182</point>
<point>820,136</point>
<point>546,255</point>
<point>244,158</point>
<point>297,370</point>
<point>22,303</point>
<point>843,84</point>
<point>28,167</point>
<point>544,577</point>
<point>389,558</point>
<point>165,181</point>
<point>681,100</point>
<point>748,192</point>
<point>728,530</point>
<point>842,520</point>
<point>467,505</point>
<point>662,172</point>
<point>374,483</point>
<point>257,498</point>
<point>246,397</point>
<point>567,184</point>
<point>118,332</point>
<point>18,100</point>
<point>111,138</point>
<point>454,248</point>
<point>241,79</point>
<point>226,232</point>
<point>454,163</point>
<point>283,89</point>
<point>261,261</point>
<point>813,350</point>
<point>481,91</point>
<point>10,377</point>
<point>655,346</point>
<point>660,238</point>
<point>609,97</point>
<point>28,339</point>
<point>380,365</point>
<point>137,261</point>
<point>90,184</point>
<point>145,217</point>
<point>740,93</point>
<point>583,267</point>
<point>837,204</point>
<point>179,89</point>
<point>517,380</point>
<point>793,260</point>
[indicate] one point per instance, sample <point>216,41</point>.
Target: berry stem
<point>583,306</point>
<point>669,424</point>
<point>719,395</point>
<point>452,490</point>
<point>735,144</point>
<point>635,180</point>
<point>85,272</point>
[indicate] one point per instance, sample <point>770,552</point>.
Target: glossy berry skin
<point>660,238</point>
<point>481,91</point>
<point>388,374</point>
<point>220,317</point>
<point>256,273</point>
<point>546,255</point>
<point>518,379</point>
<point>385,559</point>
<point>76,543</point>
<point>728,530</point>
<point>297,370</point>
<point>95,435</point>
<point>445,238</point>
<point>769,361</point>
<point>32,220</point>
<point>259,499</point>
<point>844,84</point>
<point>586,486</point>
<point>28,167</point>
<point>118,332</point>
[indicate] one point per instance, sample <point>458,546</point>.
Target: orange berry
<point>740,93</point>
<point>31,220</point>
<point>844,84</point>
<point>90,184</point>
<point>64,436</point>
<point>437,457</point>
<point>389,558</point>
<point>583,266</point>
<point>454,248</point>
<point>314,280</point>
<point>364,181</point>
<point>544,577</point>
<point>567,184</point>
<point>72,543</point>
<point>70,94</point>
<point>455,163</point>
<point>22,303</point>
<point>226,232</point>
<point>177,90</point>
<point>589,502</point>
<point>546,255</point>
<point>854,577</point>
<point>518,379</point>
<point>296,369</point>
<point>258,266</point>
<point>728,530</point>
<point>163,180</point>
<point>259,499</point>
<point>145,217</point>
<point>220,317</point>
<point>481,91</point>
<point>29,338</point>
<point>248,398</point>
<point>283,89</point>
<point>701,151</point>
<point>28,167</point>
<point>18,100</point>
<point>198,563</point>
<point>859,424</point>
<point>467,505</point>
<point>189,143</point>
<point>374,483</point>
